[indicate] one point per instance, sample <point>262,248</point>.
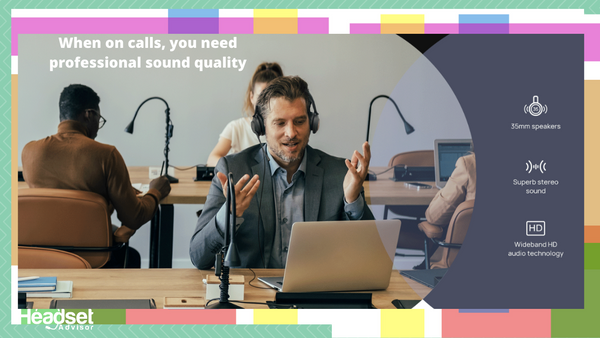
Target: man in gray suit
<point>300,183</point>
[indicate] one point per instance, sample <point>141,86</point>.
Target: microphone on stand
<point>168,134</point>
<point>229,255</point>
<point>232,258</point>
<point>407,127</point>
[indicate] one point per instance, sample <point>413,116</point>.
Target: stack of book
<point>46,287</point>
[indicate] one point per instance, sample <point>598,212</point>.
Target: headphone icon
<point>258,123</point>
<point>535,108</point>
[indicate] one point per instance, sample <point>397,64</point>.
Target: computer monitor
<point>446,153</point>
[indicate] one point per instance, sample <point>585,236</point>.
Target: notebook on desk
<point>102,304</point>
<point>338,256</point>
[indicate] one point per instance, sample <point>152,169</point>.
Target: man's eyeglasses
<point>101,121</point>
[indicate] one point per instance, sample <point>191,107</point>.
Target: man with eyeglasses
<point>72,159</point>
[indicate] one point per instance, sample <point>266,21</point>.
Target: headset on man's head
<point>258,122</point>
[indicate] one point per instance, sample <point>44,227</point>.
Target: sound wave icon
<point>531,166</point>
<point>535,110</point>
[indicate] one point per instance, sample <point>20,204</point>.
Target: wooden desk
<point>185,192</point>
<point>384,191</point>
<point>160,283</point>
<point>380,192</point>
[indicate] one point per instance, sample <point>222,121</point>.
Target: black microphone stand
<point>409,129</point>
<point>168,135</point>
<point>228,255</point>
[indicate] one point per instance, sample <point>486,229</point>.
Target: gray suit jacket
<point>323,201</point>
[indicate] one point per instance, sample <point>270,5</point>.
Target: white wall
<point>344,73</point>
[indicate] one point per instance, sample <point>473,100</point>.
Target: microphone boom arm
<point>409,129</point>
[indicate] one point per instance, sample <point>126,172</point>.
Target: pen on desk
<point>21,279</point>
<point>161,168</point>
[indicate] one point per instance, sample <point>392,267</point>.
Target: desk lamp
<point>168,135</point>
<point>229,255</point>
<point>409,129</point>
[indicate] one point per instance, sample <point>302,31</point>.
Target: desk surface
<point>380,192</point>
<point>181,283</point>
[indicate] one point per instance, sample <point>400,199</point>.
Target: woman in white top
<point>238,134</point>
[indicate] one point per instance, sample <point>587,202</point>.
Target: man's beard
<point>286,159</point>
<point>279,151</point>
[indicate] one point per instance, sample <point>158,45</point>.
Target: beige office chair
<point>68,220</point>
<point>453,234</point>
<point>410,236</point>
<point>44,258</point>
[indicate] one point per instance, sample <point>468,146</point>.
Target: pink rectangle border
<point>313,25</point>
<point>236,25</point>
<point>85,26</point>
<point>591,31</point>
<point>365,28</point>
<point>441,28</point>
<point>515,323</point>
<point>246,26</point>
<point>180,317</point>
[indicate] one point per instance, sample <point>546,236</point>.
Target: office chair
<point>68,220</point>
<point>410,236</point>
<point>45,258</point>
<point>454,234</point>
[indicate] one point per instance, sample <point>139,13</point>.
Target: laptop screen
<point>447,153</point>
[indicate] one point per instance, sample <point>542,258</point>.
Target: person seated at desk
<point>459,188</point>
<point>238,134</point>
<point>297,183</point>
<point>72,159</point>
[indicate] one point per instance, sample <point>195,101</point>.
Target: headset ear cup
<point>315,122</point>
<point>257,124</point>
<point>314,116</point>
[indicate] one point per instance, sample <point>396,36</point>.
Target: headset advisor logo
<point>70,320</point>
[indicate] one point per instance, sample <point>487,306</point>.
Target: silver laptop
<point>338,256</point>
<point>446,153</point>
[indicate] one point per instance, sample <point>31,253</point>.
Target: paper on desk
<point>64,289</point>
<point>154,172</point>
<point>141,187</point>
<point>22,279</point>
